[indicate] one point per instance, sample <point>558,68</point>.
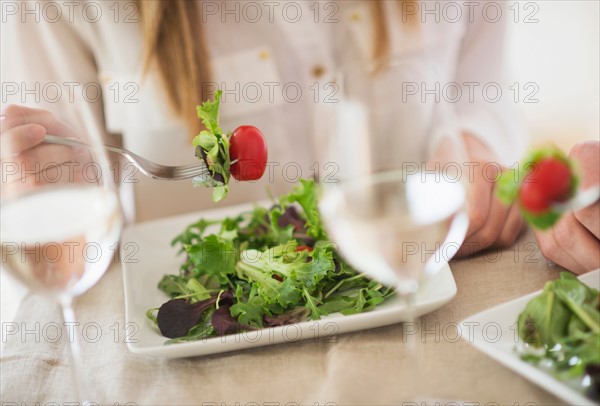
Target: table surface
<point>363,368</point>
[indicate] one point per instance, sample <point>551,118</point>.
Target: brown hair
<point>173,42</point>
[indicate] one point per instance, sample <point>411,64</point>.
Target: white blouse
<point>272,60</point>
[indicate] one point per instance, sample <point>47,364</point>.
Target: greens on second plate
<point>562,325</point>
<point>262,268</point>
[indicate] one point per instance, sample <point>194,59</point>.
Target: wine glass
<point>60,222</point>
<point>396,205</point>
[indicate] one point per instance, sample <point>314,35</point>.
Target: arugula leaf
<point>224,323</point>
<point>197,291</point>
<point>321,265</point>
<point>544,320</point>
<point>193,233</point>
<point>306,195</point>
<point>173,285</point>
<point>209,114</point>
<point>213,256</point>
<point>337,304</point>
<point>250,312</point>
<point>279,234</point>
<point>220,193</point>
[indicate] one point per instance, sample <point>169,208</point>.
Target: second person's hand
<point>574,241</point>
<point>491,223</point>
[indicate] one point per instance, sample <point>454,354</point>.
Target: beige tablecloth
<point>363,368</point>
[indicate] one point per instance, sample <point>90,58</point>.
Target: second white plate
<point>494,332</point>
<point>147,255</point>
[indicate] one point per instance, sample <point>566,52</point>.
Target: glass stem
<point>411,334</point>
<point>74,350</point>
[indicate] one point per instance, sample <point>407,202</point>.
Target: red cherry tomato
<point>549,180</point>
<point>247,146</point>
<point>533,199</point>
<point>554,177</point>
<point>304,248</point>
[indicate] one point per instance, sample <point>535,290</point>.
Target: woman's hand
<point>20,130</point>
<point>574,242</point>
<point>25,160</point>
<point>491,223</point>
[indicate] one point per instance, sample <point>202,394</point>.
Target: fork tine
<point>196,168</point>
<point>164,172</point>
<point>190,172</point>
<point>145,166</point>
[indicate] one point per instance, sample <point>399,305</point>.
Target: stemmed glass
<point>396,205</point>
<point>60,222</point>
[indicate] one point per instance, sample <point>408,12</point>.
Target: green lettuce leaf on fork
<point>212,146</point>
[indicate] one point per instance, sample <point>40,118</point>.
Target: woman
<point>155,60</point>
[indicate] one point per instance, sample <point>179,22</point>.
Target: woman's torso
<point>275,70</point>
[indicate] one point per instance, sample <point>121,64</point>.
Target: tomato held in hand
<point>248,151</point>
<point>533,199</point>
<point>548,182</point>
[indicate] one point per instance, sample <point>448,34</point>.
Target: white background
<point>561,54</point>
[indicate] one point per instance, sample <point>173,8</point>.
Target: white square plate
<point>494,332</point>
<point>146,256</point>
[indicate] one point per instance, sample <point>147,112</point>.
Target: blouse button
<point>318,71</point>
<point>263,55</point>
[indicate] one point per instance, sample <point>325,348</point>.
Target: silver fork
<point>148,168</point>
<point>581,200</point>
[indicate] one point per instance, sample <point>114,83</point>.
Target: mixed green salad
<point>262,268</point>
<point>561,328</point>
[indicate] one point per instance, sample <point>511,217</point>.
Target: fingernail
<point>37,132</point>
